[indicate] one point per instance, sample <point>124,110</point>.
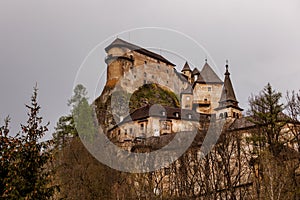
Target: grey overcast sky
<point>46,42</point>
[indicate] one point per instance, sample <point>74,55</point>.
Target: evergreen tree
<point>266,113</point>
<point>28,175</point>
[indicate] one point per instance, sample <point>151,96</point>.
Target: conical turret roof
<point>186,67</point>
<point>228,98</point>
<point>195,71</point>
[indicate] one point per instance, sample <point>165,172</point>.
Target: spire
<point>227,72</point>
<point>228,98</point>
<point>186,67</point>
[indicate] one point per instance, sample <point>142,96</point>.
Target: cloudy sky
<point>47,41</point>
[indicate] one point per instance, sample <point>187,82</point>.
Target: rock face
<point>125,103</point>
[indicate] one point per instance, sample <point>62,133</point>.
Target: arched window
<point>221,115</point>
<point>225,114</point>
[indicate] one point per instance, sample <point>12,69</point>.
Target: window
<point>165,125</point>
<point>125,131</point>
<point>152,76</point>
<point>209,89</point>
<point>158,66</point>
<point>188,98</point>
<point>205,99</point>
<point>119,132</point>
<point>237,115</point>
<point>167,171</point>
<point>221,115</point>
<point>142,127</point>
<point>177,114</point>
<point>134,76</point>
<point>190,116</point>
<point>145,62</point>
<point>225,115</point>
<point>233,114</point>
<point>163,113</point>
<point>130,130</point>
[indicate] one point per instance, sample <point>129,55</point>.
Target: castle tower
<point>228,104</point>
<point>119,59</point>
<point>195,74</point>
<point>186,70</point>
<point>207,90</point>
<point>187,98</point>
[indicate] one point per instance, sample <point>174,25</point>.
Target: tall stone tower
<point>119,59</point>
<point>228,104</point>
<point>207,90</point>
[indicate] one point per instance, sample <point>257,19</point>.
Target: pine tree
<point>29,174</point>
<point>266,113</point>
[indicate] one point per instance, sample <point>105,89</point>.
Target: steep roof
<point>122,43</point>
<point>195,71</point>
<point>209,75</point>
<point>200,79</point>
<point>186,67</point>
<point>228,98</point>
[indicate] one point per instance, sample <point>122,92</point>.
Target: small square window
<point>209,89</point>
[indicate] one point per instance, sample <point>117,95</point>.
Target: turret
<point>186,70</point>
<point>207,90</point>
<point>118,60</point>
<point>228,104</point>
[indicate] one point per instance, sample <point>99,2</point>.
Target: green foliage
<point>152,94</point>
<point>85,125</point>
<point>25,160</point>
<point>81,120</point>
<point>65,128</point>
<point>266,113</point>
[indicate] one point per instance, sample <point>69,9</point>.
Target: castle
<point>202,93</point>
<point>233,168</point>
